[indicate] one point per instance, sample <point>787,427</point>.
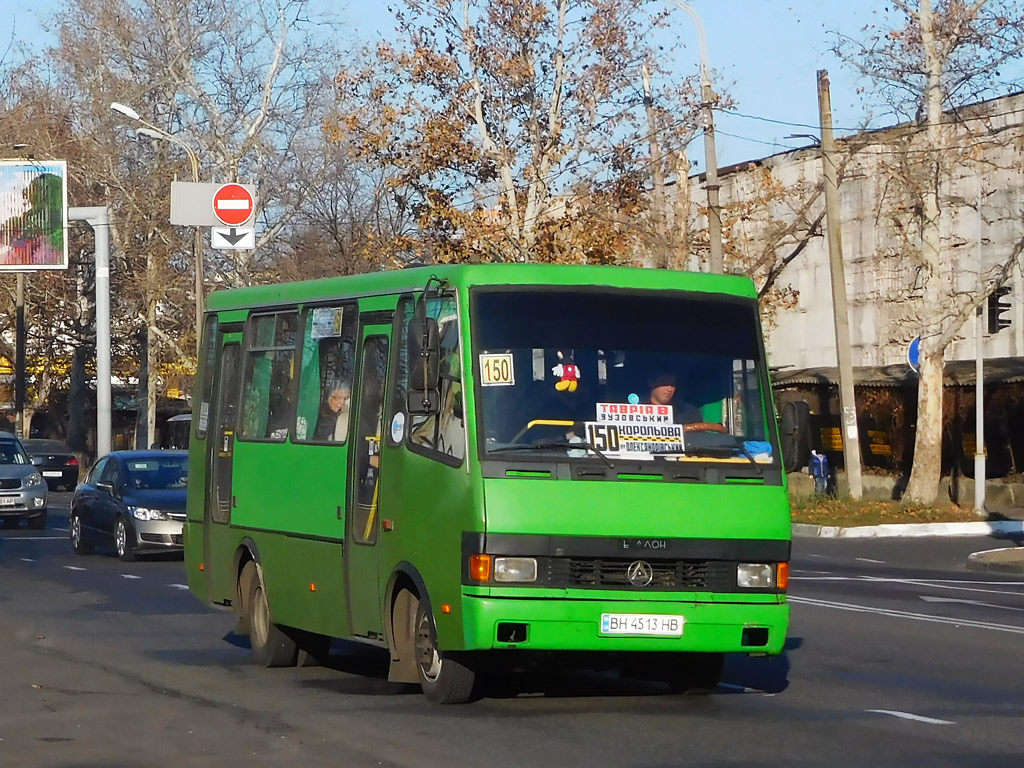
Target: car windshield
<point>45,446</point>
<point>157,473</point>
<point>594,372</point>
<point>11,453</point>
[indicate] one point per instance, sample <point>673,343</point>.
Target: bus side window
<point>444,432</point>
<point>328,363</point>
<point>269,365</point>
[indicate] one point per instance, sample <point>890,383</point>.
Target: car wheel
<point>122,542</point>
<point>78,543</point>
<point>271,646</point>
<point>443,679</point>
<point>38,522</point>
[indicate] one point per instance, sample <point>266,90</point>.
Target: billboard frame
<point>33,235</point>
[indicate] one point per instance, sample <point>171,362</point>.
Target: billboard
<point>33,215</point>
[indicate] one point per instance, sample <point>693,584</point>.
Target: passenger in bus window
<point>664,387</point>
<point>332,423</point>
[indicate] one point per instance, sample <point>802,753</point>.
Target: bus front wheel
<point>443,679</point>
<point>271,647</point>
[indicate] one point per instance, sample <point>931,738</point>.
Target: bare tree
<point>927,62</point>
<point>518,129</point>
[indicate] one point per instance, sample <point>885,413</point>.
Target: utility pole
<point>851,437</point>
<point>19,358</point>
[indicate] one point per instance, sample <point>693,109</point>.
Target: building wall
<point>882,278</point>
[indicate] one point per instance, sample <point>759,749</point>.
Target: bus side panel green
<point>195,499</point>
<point>281,489</point>
<point>304,586</point>
<point>636,508</point>
<point>430,505</point>
<point>285,487</point>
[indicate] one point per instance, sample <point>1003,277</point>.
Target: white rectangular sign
<point>192,204</point>
<point>233,237</point>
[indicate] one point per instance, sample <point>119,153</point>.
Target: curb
<point>1009,560</point>
<point>912,529</point>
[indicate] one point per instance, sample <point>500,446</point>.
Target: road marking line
<point>27,560</point>
<point>73,568</point>
<point>907,615</point>
<point>961,601</point>
<point>178,586</point>
<point>742,688</point>
<point>869,560</point>
<point>910,716</point>
<point>130,576</point>
<point>950,584</point>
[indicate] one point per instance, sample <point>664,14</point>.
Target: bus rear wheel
<point>271,646</point>
<point>443,679</point>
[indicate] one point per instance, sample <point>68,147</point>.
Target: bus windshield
<point>615,374</point>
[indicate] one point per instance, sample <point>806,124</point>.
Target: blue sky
<point>765,52</point>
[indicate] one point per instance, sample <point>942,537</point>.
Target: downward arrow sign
<point>931,599</point>
<point>232,237</point>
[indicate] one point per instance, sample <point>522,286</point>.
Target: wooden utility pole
<point>851,437</point>
<point>658,207</point>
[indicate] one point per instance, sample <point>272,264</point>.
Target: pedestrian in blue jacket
<point>819,471</point>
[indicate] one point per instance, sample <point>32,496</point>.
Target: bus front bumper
<point>576,625</point>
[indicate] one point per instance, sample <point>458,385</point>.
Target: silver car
<point>22,488</point>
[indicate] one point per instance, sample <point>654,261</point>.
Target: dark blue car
<point>133,501</point>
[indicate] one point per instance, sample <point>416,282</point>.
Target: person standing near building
<point>819,470</point>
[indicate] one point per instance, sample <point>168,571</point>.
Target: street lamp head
<point>812,137</point>
<point>151,134</point>
<point>125,110</point>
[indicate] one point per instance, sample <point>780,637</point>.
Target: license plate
<point>658,625</point>
<point>52,473</point>
<point>6,501</point>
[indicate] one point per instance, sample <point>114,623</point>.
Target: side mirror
<point>36,460</point>
<point>105,486</point>
<point>424,353</point>
<point>422,402</point>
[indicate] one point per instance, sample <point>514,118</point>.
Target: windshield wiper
<point>562,444</point>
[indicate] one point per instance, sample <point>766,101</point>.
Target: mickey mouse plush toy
<point>567,372</point>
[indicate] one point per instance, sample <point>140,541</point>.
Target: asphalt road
<point>898,656</point>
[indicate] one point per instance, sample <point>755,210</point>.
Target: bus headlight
<point>515,569</point>
<point>755,575</point>
<point>145,513</point>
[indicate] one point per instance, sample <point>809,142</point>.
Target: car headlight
<point>515,569</point>
<point>755,575</point>
<point>30,481</point>
<point>145,513</point>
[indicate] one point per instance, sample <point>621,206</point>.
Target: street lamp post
<point>716,262</point>
<point>152,132</point>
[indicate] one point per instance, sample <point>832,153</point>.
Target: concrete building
<point>880,235</point>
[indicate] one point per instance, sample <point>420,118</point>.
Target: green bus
<point>478,465</point>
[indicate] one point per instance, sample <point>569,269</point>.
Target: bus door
<point>220,451</point>
<point>362,553</point>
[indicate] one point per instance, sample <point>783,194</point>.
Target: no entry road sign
<point>233,204</point>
